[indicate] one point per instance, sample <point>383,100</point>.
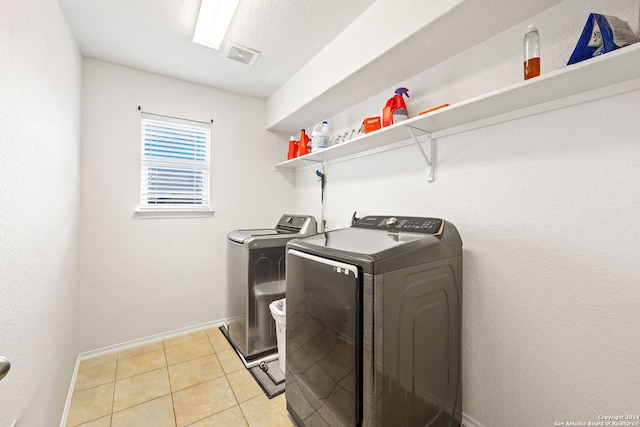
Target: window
<point>174,164</point>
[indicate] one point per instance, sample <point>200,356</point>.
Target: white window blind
<point>174,164</point>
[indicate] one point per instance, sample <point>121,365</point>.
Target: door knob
<point>5,365</point>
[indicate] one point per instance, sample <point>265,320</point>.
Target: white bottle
<point>320,137</point>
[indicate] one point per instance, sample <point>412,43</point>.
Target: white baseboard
<point>467,421</point>
<point>127,345</point>
<point>65,412</point>
<point>150,339</point>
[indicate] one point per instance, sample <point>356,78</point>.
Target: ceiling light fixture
<point>213,22</point>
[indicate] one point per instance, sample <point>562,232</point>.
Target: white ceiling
<point>155,36</point>
<point>318,57</point>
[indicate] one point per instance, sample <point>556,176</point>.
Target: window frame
<point>174,168</point>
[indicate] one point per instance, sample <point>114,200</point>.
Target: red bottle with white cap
<point>293,148</point>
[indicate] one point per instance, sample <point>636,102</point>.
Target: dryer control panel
<point>411,224</point>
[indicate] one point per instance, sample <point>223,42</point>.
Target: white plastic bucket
<point>279,312</point>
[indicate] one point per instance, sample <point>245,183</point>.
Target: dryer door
<point>323,350</point>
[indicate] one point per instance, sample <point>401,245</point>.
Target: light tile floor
<point>192,380</point>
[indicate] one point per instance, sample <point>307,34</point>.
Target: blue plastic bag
<point>602,34</point>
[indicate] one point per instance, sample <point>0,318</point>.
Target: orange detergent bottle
<point>303,144</point>
<point>396,110</point>
<point>293,148</point>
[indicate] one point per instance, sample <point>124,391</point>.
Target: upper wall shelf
<point>587,80</point>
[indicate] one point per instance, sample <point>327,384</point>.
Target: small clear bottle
<point>531,53</point>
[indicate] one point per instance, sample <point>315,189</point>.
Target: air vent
<point>242,54</point>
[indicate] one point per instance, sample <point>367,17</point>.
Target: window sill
<point>150,213</point>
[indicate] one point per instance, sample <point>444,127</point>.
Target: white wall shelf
<point>609,74</point>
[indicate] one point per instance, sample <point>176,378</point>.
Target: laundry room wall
<point>140,277</point>
<point>40,80</point>
<point>547,207</point>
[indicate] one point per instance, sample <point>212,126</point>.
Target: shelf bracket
<point>428,159</point>
<point>306,162</point>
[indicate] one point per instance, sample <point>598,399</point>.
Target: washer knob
<point>392,222</point>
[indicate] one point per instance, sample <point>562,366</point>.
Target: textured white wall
<point>40,75</point>
<point>141,277</point>
<point>492,64</point>
<point>345,54</point>
<point>547,207</point>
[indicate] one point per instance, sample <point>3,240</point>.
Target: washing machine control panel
<point>299,224</point>
<point>410,224</point>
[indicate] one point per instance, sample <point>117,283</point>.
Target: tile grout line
<point>244,416</point>
<point>224,373</point>
<point>173,405</point>
<point>113,395</point>
<point>239,404</point>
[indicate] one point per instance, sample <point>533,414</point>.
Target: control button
<point>391,222</point>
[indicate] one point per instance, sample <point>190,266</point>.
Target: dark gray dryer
<point>373,324</point>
